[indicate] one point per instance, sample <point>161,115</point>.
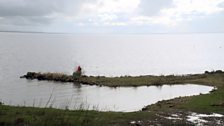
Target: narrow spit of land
<point>146,80</point>
<point>168,112</point>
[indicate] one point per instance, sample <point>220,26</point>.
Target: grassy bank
<point>206,103</point>
<point>142,80</point>
<point>213,102</point>
<point>214,78</point>
<point>54,117</point>
<point>206,78</point>
<point>153,114</point>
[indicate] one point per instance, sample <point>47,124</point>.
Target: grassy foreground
<point>153,114</point>
<point>55,117</point>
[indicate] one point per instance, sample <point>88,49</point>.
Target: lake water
<point>109,55</point>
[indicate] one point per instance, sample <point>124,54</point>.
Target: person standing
<point>77,73</point>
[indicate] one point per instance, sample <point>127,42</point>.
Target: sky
<point>112,16</point>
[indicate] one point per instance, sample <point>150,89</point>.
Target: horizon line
<point>40,32</point>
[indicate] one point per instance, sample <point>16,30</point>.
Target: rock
<point>55,77</point>
<point>145,108</point>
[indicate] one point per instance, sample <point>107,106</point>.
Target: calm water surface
<point>109,55</point>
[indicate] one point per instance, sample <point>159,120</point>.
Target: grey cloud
<point>26,8</point>
<point>36,12</point>
<point>36,15</point>
<point>221,5</point>
<point>23,21</point>
<point>38,7</point>
<point>153,7</point>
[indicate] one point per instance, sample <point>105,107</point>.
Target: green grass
<point>54,117</point>
<point>141,80</point>
<point>214,79</point>
<point>147,80</point>
<point>206,103</point>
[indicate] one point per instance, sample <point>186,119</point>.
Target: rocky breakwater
<point>59,77</point>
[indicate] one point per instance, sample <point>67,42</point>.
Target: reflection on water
<point>99,98</point>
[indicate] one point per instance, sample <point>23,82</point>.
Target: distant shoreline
<point>159,33</point>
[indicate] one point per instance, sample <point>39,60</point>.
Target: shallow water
<point>200,119</point>
<point>109,55</point>
<point>72,96</point>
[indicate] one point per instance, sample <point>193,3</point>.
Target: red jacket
<point>78,69</point>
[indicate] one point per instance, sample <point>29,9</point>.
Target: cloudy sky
<point>112,16</point>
